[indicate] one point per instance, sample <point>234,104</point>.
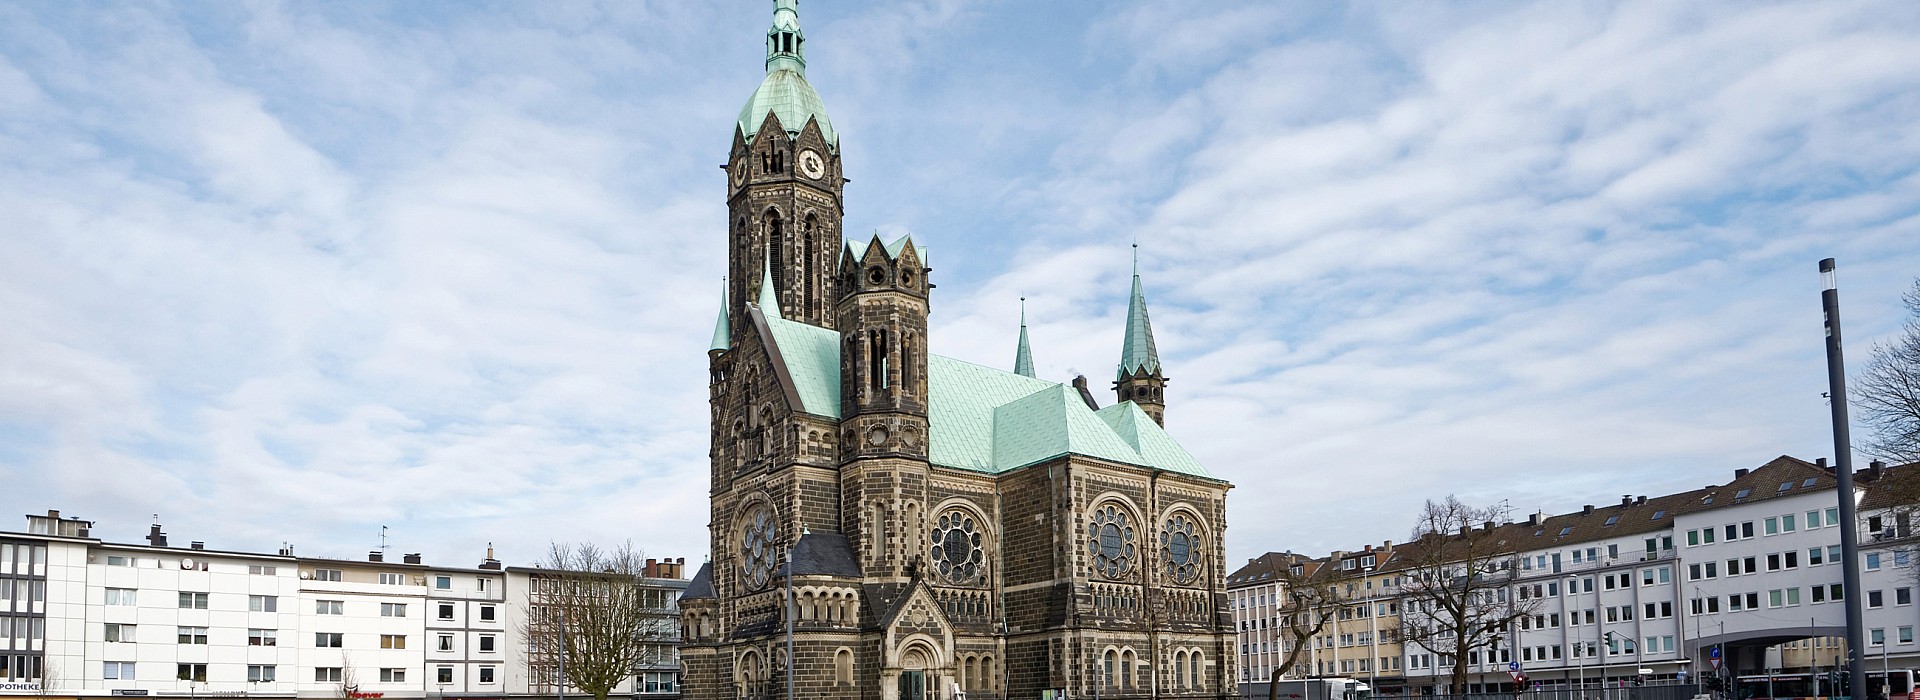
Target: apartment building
<point>1637,591</point>
<point>80,617</point>
<point>1361,636</point>
<point>536,671</point>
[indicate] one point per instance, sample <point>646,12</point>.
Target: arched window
<point>1180,669</point>
<point>1126,669</point>
<point>987,674</point>
<point>810,257</point>
<point>1193,666</point>
<point>1112,659</point>
<point>843,666</point>
<point>777,255</point>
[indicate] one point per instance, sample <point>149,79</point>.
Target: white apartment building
<point>80,617</point>
<point>1642,590</point>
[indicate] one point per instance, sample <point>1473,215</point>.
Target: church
<point>890,523</point>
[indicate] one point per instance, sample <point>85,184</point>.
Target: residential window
<point>119,632</point>
<point>193,635</point>
<point>486,643</point>
<point>193,601</point>
<point>325,674</point>
<point>443,674</point>
<point>393,675</point>
<point>191,672</point>
<point>263,638</point>
<point>1833,516</point>
<point>1902,558</point>
<point>1773,526</point>
<point>263,603</point>
<point>393,641</point>
<point>1793,596</point>
<point>1833,553</point>
<point>1819,594</point>
<point>1902,596</point>
<point>1776,598</point>
<point>1793,559</point>
<point>446,611</point>
<point>263,570</point>
<point>481,584</point>
<point>1746,529</point>
<point>328,640</point>
<point>117,670</point>
<point>263,673</point>
<point>443,582</point>
<point>1712,569</point>
<point>1787,522</point>
<point>446,642</point>
<point>121,561</point>
<point>1874,599</point>
<point>393,609</point>
<point>390,579</point>
<point>1873,562</point>
<point>1906,634</point>
<point>328,607</point>
<point>1877,637</point>
<point>1813,519</point>
<point>486,613</point>
<point>326,574</point>
<point>1813,556</point>
<point>486,672</point>
<point>122,596</point>
<point>1706,535</point>
<point>1773,562</point>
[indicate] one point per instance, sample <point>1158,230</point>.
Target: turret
<point>1139,378</point>
<point>882,319</point>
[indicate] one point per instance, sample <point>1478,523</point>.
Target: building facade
<point>1635,592</point>
<point>913,526</point>
<point>80,617</point>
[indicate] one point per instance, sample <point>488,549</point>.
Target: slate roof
<point>984,419</point>
<point>822,554</point>
<point>701,586</point>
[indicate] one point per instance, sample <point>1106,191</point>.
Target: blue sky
<point>291,272</point>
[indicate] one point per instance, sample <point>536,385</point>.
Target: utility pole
<point>1843,473</point>
<point>790,616</point>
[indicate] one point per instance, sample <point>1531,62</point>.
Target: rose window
<point>1110,541</point>
<point>957,554</point>
<point>1180,549</point>
<point>757,549</point>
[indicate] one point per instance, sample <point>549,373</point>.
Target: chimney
<point>1080,385</point>
<point>1466,529</point>
<point>1641,501</point>
<point>1586,510</point>
<point>1741,472</point>
<point>375,555</point>
<point>1625,500</point>
<point>413,558</point>
<point>196,544</point>
<point>156,538</point>
<point>1535,519</point>
<point>1875,469</point>
<point>491,563</point>
<point>1487,525</point>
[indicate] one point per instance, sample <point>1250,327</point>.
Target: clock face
<point>740,171</point>
<point>812,165</point>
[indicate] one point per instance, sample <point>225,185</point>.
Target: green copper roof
<point>1022,355</point>
<point>769,302</point>
<point>1137,351</point>
<point>1050,423</point>
<point>785,92</point>
<point>1149,439</point>
<point>720,329</point>
<point>984,419</point>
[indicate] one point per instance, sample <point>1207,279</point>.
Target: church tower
<point>1139,379</point>
<point>785,187</point>
<point>882,319</point>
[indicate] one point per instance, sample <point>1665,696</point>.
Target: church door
<point>913,685</point>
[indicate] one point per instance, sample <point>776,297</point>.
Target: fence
<point>1631,692</point>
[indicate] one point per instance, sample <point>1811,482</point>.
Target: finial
<point>1023,312</point>
<point>1136,257</point>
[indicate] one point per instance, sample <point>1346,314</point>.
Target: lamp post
<point>1843,474</point>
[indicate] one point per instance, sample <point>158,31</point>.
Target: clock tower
<point>785,188</point>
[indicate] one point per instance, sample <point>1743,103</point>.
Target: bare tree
<point>349,680</point>
<point>1887,392</point>
<point>590,616</point>
<point>1455,596</point>
<point>1314,596</point>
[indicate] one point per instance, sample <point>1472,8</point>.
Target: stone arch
<point>1115,539</point>
<point>1200,547</point>
<point>1127,663</point>
<point>843,666</point>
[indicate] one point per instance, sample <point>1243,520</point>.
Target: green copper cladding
<point>785,93</point>
<point>1023,355</point>
<point>721,331</point>
<point>769,301</point>
<point>1137,351</point>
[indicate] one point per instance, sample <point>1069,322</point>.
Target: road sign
<point>1713,657</point>
<point>1513,665</point>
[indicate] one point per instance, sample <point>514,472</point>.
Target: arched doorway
<point>915,681</point>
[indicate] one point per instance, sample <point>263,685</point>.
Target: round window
<point>1110,542</point>
<point>757,548</point>
<point>876,276</point>
<point>957,555</point>
<point>1180,549</point>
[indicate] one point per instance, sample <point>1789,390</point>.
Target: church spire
<point>786,44</point>
<point>721,331</point>
<point>1023,355</point>
<point>1139,379</point>
<point>1137,351</point>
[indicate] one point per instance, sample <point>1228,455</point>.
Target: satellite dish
<point>186,563</point>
